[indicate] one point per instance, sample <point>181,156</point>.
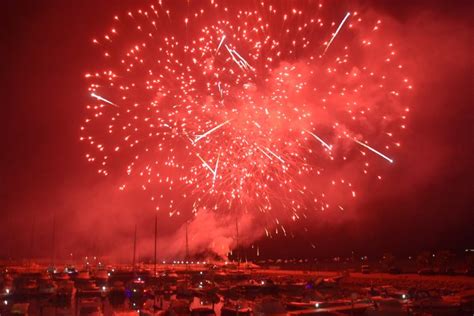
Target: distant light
<point>404,296</point>
<point>316,305</point>
<point>5,302</point>
<point>7,291</point>
<point>104,288</point>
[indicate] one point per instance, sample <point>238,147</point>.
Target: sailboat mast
<point>53,241</point>
<point>187,247</point>
<point>187,242</point>
<point>32,241</point>
<point>237,241</point>
<point>156,234</point>
<point>134,248</point>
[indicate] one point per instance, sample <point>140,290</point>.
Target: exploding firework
<point>244,108</point>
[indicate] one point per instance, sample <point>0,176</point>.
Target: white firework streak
<point>263,152</point>
<point>319,139</point>
<point>199,137</point>
<point>220,89</point>
<point>374,151</point>
<point>337,31</point>
<point>275,155</point>
<point>220,44</point>
<point>215,169</point>
<point>241,62</point>
<point>233,57</point>
<point>207,166</point>
<point>98,97</point>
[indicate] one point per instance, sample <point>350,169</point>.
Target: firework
<point>213,105</point>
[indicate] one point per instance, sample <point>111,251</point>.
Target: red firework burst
<point>241,108</point>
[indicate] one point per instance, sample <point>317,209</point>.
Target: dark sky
<point>425,202</point>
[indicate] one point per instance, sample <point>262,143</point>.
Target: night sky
<point>424,203</point>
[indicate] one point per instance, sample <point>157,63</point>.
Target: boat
<point>178,308</point>
<point>203,306</point>
<point>71,271</point>
<point>60,276</point>
<point>152,308</point>
<point>330,307</point>
<point>83,276</point>
<point>203,311</point>
<point>388,305</point>
<point>65,288</point>
<point>269,306</point>
<point>117,293</point>
<point>100,277</point>
<point>124,276</point>
<point>355,309</point>
<point>235,309</point>
<point>296,306</point>
<point>47,287</point>
<point>431,301</point>
<point>89,289</point>
<point>20,309</point>
<point>89,307</point>
<point>25,285</point>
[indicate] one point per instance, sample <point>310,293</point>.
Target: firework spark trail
<point>219,87</point>
<point>215,169</point>
<point>231,52</point>
<point>374,151</point>
<point>242,60</point>
<point>214,172</point>
<point>319,139</point>
<point>220,43</point>
<point>337,31</point>
<point>98,97</point>
<point>199,137</point>
<point>263,152</point>
<point>275,155</point>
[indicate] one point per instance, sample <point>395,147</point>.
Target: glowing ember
<point>244,109</point>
